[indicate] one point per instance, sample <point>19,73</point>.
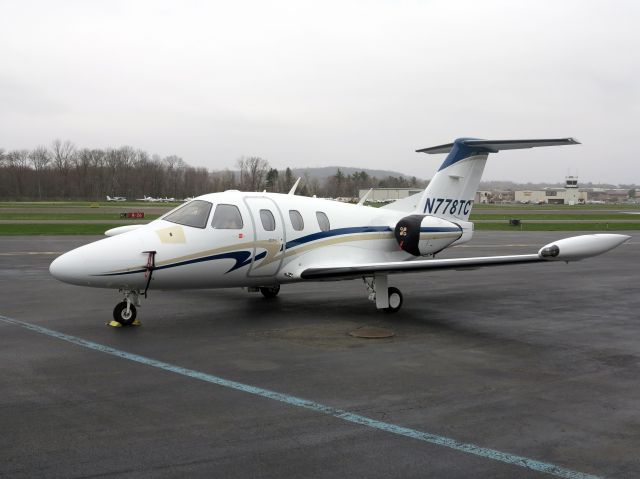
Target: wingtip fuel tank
<point>579,247</point>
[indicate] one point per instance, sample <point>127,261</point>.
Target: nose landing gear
<point>124,314</point>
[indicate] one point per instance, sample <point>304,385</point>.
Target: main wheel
<point>121,315</point>
<point>270,291</point>
<point>395,301</point>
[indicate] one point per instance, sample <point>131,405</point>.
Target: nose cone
<point>116,262</point>
<point>69,268</point>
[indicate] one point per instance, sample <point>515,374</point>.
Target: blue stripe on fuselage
<point>243,258</point>
<point>337,232</point>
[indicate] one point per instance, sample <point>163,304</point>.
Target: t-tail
<point>451,192</point>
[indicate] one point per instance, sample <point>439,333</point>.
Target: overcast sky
<point>324,83</point>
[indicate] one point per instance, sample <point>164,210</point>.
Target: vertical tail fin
<point>451,192</point>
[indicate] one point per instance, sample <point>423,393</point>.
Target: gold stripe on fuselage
<point>325,242</point>
<point>272,248</point>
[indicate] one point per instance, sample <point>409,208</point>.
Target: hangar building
<point>569,195</point>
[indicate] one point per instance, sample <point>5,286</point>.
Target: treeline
<point>64,172</point>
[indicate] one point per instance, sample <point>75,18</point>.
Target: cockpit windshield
<point>195,213</point>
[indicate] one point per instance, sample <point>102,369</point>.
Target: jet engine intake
<point>423,235</point>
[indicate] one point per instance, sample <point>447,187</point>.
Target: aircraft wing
<point>357,270</point>
<point>568,249</point>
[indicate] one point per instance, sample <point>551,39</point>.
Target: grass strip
<point>72,216</point>
<point>98,229</point>
<point>55,229</point>
<point>88,204</point>
<point>520,206</point>
<point>524,226</point>
<point>550,216</point>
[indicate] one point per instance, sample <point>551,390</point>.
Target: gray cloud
<point>324,83</point>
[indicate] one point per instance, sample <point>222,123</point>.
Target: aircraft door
<point>269,236</point>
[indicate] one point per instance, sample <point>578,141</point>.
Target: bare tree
<point>175,167</point>
<point>252,172</point>
<point>62,155</point>
<point>18,165</point>
<point>40,159</point>
<point>228,180</point>
<point>64,172</point>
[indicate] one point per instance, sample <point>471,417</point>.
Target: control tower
<point>571,190</point>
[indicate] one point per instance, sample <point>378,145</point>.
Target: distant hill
<point>327,171</point>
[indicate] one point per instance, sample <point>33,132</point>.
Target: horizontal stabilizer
<point>493,146</point>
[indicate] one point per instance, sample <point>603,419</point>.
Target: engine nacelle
<point>423,235</point>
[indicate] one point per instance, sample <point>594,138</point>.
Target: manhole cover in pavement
<point>372,333</point>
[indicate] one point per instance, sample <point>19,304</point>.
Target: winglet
<point>292,191</point>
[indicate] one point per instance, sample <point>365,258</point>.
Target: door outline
<point>254,215</point>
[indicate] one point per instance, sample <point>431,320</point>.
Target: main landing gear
<point>124,314</point>
<point>387,299</point>
<point>270,292</point>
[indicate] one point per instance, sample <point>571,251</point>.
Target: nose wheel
<point>124,314</point>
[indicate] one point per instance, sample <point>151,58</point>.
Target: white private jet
<point>263,240</point>
<point>116,198</point>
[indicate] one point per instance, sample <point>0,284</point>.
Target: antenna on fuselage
<point>292,191</point>
<point>365,196</point>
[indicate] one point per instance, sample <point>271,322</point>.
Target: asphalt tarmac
<point>521,371</point>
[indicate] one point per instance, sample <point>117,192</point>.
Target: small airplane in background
<point>151,199</point>
<point>262,240</point>
<point>116,198</point>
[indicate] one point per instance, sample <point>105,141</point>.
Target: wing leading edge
<point>355,271</point>
<point>568,249</point>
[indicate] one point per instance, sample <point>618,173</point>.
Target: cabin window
<point>296,220</point>
<point>195,213</point>
<point>268,221</point>
<point>227,217</point>
<point>323,221</point>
